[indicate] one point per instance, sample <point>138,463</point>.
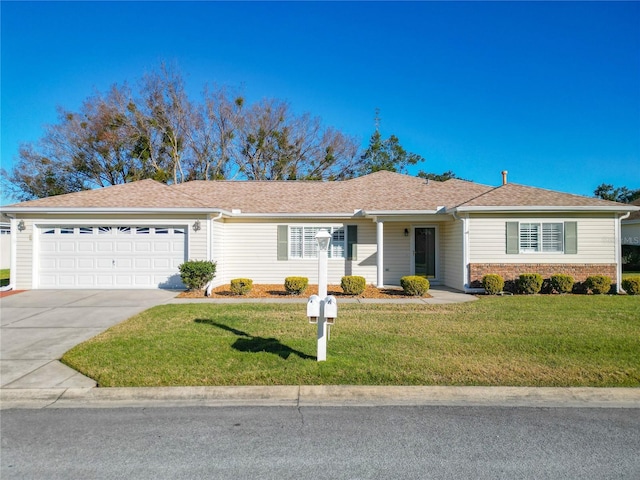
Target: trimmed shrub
<point>414,285</point>
<point>598,284</point>
<point>562,283</point>
<point>241,286</point>
<point>631,285</point>
<point>296,285</point>
<point>353,284</point>
<point>492,283</point>
<point>196,274</point>
<point>530,283</point>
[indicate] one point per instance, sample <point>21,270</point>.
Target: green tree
<point>439,177</point>
<point>616,194</point>
<point>387,155</point>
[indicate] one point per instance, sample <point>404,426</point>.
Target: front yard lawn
<point>572,340</point>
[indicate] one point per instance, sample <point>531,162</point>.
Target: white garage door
<point>111,256</point>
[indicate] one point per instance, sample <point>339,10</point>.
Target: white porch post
<point>380,253</point>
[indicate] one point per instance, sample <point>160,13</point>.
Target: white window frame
<point>544,240</point>
<point>305,247</point>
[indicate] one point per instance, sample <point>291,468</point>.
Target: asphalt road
<point>321,442</point>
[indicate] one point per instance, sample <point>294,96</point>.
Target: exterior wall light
<point>196,226</point>
<point>21,225</point>
<point>406,232</point>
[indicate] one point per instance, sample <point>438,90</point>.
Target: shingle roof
<point>376,192</point>
<point>514,195</point>
<point>635,215</point>
<point>141,194</point>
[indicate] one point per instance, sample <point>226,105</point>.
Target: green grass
<point>572,340</point>
<point>630,274</point>
<point>4,277</point>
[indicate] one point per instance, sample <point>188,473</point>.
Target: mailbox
<point>330,309</point>
<point>313,308</point>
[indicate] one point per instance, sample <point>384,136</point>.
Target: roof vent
<point>504,177</point>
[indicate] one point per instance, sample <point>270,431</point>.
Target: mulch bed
<point>278,291</point>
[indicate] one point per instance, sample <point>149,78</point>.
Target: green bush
<point>562,283</point>
<point>196,274</point>
<point>492,283</point>
<point>353,285</point>
<point>414,285</point>
<point>296,285</point>
<point>631,285</point>
<point>241,286</point>
<point>598,284</point>
<point>530,283</point>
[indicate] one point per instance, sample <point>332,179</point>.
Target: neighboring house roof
<point>635,216</point>
<point>375,194</point>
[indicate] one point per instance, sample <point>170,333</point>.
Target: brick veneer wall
<point>511,271</point>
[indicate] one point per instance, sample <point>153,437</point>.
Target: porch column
<point>379,253</point>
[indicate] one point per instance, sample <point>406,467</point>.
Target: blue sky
<point>548,91</point>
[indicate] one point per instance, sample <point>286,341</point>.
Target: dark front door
<point>425,252</point>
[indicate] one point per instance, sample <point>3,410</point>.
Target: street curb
<point>327,396</point>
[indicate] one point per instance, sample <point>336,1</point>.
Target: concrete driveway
<point>39,326</point>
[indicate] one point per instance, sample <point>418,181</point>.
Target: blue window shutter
<point>352,242</point>
<point>512,237</point>
<point>571,237</point>
<point>283,242</point>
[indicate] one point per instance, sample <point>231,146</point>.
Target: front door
<point>425,252</point>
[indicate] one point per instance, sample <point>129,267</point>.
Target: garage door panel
<point>111,257</point>
<point>124,247</point>
<point>86,263</point>
<point>66,263</point>
<point>124,263</point>
<point>102,247</point>
<point>104,263</point>
<point>86,280</point>
<point>124,280</point>
<point>143,247</point>
<point>48,263</point>
<point>104,280</point>
<point>86,246</point>
<point>161,263</point>
<point>67,246</point>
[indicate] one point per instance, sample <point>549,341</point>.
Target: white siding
<point>453,255</point>
<point>250,250</point>
<point>397,252</point>
<point>596,240</point>
<point>217,251</point>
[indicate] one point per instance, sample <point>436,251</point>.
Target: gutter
<point>543,208</point>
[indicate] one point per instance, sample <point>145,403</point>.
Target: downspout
<point>380,253</point>
<point>210,248</point>
<point>618,244</point>
<point>465,253</point>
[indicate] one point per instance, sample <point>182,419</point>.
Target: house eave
<point>542,209</point>
<point>111,210</point>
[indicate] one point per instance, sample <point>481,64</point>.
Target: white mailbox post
<point>323,238</point>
